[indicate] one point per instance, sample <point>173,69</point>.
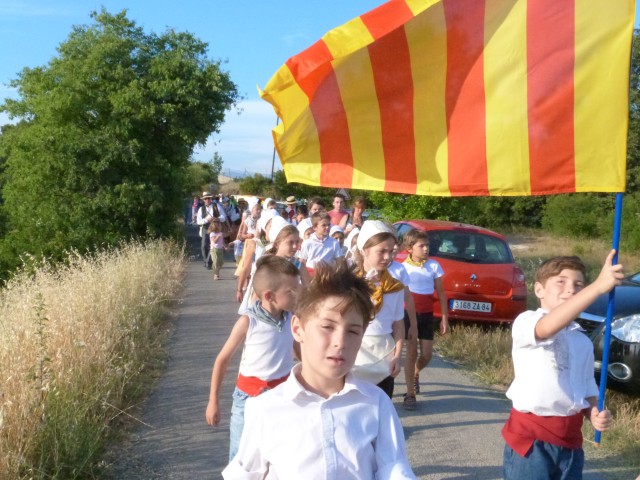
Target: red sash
<point>254,386</point>
<point>522,429</point>
<point>423,302</point>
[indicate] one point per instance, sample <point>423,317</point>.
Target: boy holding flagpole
<point>554,387</point>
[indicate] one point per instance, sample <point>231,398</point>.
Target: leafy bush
<point>592,216</point>
<point>105,130</point>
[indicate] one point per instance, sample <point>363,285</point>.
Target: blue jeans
<point>544,462</point>
<point>236,423</point>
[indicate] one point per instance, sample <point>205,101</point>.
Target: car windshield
<point>468,247</point>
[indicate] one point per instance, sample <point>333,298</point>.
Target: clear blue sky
<point>254,38</point>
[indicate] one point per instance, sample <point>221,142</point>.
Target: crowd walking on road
<point>325,315</point>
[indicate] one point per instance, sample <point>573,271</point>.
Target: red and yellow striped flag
<point>461,97</point>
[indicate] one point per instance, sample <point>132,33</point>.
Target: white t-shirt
<point>421,279</point>
<point>392,310</point>
<point>314,250</point>
<point>294,434</point>
<point>267,352</point>
<point>553,377</point>
<point>398,272</point>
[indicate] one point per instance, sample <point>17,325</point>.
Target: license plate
<point>470,306</point>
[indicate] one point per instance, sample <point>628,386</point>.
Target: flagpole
<point>607,327</point>
<point>273,159</point>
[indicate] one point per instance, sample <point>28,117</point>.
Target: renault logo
<point>473,277</point>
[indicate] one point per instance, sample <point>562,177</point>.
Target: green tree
<point>299,190</point>
<point>257,185</point>
<point>592,213</point>
<point>203,176</point>
<point>104,137</point>
<point>633,140</point>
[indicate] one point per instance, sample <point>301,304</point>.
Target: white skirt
<point>374,358</point>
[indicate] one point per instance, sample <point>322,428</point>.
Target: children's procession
<point>328,319</point>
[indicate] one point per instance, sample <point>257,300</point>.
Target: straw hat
<point>291,200</point>
<point>207,195</point>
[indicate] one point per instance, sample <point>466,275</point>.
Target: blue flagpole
<point>607,327</point>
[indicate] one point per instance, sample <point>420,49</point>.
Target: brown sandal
<point>409,402</point>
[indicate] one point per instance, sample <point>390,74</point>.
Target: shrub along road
<point>453,434</point>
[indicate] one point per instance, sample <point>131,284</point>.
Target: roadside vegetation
<point>78,347</point>
<point>486,351</point>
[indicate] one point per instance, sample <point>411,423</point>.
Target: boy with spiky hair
<point>264,332</point>
<point>322,422</point>
<point>554,387</point>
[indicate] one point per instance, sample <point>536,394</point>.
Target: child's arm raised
<point>562,315</point>
<point>236,338</point>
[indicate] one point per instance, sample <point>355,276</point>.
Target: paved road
<point>454,434</point>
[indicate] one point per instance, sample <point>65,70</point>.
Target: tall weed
<point>73,341</point>
<point>486,351</point>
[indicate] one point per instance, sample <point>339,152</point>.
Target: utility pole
<point>273,159</point>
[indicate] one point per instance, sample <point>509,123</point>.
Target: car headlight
<point>627,329</point>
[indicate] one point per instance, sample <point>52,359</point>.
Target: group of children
<point>322,337</point>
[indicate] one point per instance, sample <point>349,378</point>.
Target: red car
<point>481,279</point>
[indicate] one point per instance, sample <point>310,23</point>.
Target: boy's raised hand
<point>610,276</point>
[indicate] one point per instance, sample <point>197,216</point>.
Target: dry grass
<point>73,342</point>
<point>531,248</point>
<point>486,351</point>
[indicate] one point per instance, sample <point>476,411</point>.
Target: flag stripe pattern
<point>461,97</point>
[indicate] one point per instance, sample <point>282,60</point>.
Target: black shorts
<point>425,325</point>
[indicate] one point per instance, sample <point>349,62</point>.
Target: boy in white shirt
<point>554,387</point>
<point>319,247</point>
<point>265,333</point>
<point>322,423</point>
<point>425,279</point>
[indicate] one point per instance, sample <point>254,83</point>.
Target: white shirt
<point>392,310</point>
<point>398,272</point>
<point>201,221</point>
<point>267,352</point>
<point>553,377</point>
<point>295,434</point>
<point>422,279</point>
<point>314,250</point>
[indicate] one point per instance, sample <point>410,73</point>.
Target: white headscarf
<point>277,224</point>
<point>302,227</point>
<point>334,229</point>
<point>349,240</point>
<point>252,202</point>
<point>371,228</point>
